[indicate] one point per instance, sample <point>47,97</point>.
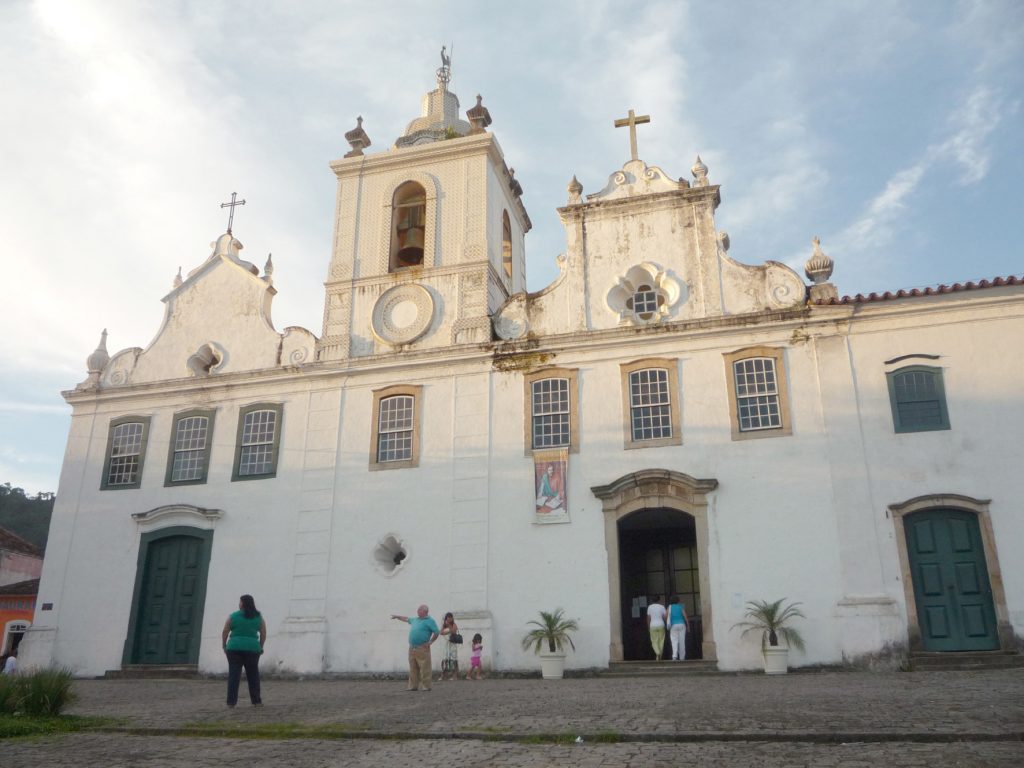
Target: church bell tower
<point>428,235</point>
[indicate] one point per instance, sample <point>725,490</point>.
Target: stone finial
<point>700,173</point>
<point>95,363</point>
<point>517,188</point>
<point>479,116</point>
<point>268,269</point>
<point>98,360</point>
<point>819,267</point>
<point>357,139</point>
<point>177,280</point>
<point>723,239</point>
<point>575,191</point>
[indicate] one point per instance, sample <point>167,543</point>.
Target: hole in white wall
<point>390,554</point>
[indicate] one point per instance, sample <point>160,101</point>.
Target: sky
<point>892,130</point>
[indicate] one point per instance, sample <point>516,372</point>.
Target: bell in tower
<point>409,225</point>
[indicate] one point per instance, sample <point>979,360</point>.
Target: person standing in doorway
<point>244,635</point>
<point>677,628</point>
<point>11,663</point>
<point>656,626</point>
<point>423,632</point>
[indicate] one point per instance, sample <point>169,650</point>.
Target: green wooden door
<point>170,613</point>
<point>951,587</point>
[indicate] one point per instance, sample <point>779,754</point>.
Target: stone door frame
<point>978,507</point>
<point>146,540</point>
<point>652,489</point>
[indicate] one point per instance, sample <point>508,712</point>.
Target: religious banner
<point>550,472</point>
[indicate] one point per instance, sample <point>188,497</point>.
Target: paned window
<point>259,437</point>
<point>650,402</point>
<point>757,393</point>
<point>191,440</point>
<point>918,399</point>
<point>551,413</point>
<point>395,423</point>
<point>551,416</point>
<point>395,441</point>
<point>126,453</point>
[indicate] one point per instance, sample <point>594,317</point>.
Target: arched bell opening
<point>408,226</point>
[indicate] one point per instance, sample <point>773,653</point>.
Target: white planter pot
<point>776,660</point>
<point>552,665</point>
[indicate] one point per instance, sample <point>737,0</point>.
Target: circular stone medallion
<point>402,314</point>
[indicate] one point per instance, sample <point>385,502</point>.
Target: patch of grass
<point>549,738</point>
<point>40,693</point>
<point>271,730</point>
<point>17,726</point>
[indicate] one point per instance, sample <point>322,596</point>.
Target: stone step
<point>153,671</point>
<point>660,668</point>
<point>924,661</point>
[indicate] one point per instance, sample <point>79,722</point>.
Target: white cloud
<point>971,123</point>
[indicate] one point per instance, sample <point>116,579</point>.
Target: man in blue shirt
<point>423,632</point>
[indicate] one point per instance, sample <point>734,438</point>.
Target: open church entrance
<point>658,556</point>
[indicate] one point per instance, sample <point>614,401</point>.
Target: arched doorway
<point>658,557</point>
<point>654,520</point>
<point>951,575</point>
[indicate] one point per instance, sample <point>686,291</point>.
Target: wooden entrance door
<point>653,562</point>
<point>169,613</point>
<point>951,585</point>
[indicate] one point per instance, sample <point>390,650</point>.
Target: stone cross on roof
<point>632,121</point>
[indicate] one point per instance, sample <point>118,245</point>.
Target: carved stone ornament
<point>209,358</point>
<point>819,267</point>
<point>118,371</point>
<point>357,139</point>
<point>402,314</point>
<point>646,295</point>
<point>512,320</point>
<point>783,286</point>
<point>298,346</point>
<point>636,178</point>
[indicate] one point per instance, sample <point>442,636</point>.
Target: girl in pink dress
<point>476,671</point>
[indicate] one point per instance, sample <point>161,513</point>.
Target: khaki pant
<point>420,668</point>
<point>658,641</point>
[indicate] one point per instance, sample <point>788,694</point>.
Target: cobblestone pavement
<point>819,719</point>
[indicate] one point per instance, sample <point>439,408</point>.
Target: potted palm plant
<point>548,639</point>
<point>772,621</point>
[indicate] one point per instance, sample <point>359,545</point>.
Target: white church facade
<point>661,419</point>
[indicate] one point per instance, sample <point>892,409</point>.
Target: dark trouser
<point>251,661</point>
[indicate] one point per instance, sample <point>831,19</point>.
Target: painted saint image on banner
<point>550,470</point>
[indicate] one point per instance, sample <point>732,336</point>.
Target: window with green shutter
<point>918,399</point>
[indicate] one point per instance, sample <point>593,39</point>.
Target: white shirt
<point>11,665</point>
<point>656,613</point>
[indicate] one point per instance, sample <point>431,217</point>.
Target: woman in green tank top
<point>243,637</point>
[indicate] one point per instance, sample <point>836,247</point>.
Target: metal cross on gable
<point>632,121</point>
<point>231,205</point>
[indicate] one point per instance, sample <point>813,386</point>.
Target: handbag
<point>455,637</point>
